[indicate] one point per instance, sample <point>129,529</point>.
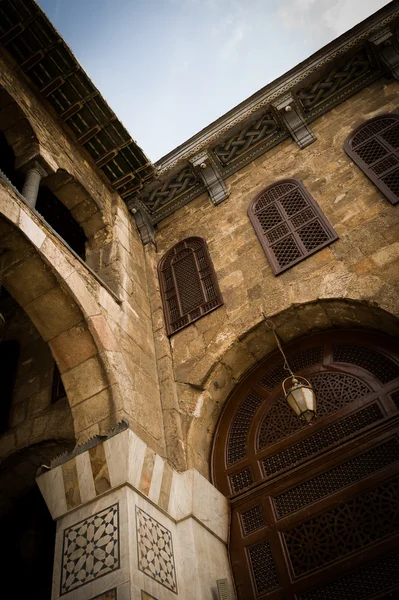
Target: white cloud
<point>325,19</point>
<point>231,44</point>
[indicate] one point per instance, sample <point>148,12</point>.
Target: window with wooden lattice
<point>188,284</point>
<point>289,224</point>
<point>374,147</point>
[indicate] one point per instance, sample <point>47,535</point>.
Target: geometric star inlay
<point>90,549</point>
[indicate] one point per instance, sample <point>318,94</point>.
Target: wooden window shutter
<point>289,224</point>
<point>374,148</point>
<point>188,283</point>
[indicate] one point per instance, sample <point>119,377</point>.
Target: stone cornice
<point>286,83</point>
<point>282,109</point>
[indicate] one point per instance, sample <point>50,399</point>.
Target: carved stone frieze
<point>211,177</point>
<point>330,76</point>
<point>247,138</point>
<point>166,198</point>
<point>340,77</point>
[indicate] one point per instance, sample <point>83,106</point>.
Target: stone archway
<point>42,279</point>
<point>314,506</point>
<point>82,207</point>
<point>245,353</point>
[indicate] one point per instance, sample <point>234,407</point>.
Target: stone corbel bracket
<point>293,121</point>
<point>145,227</point>
<point>207,171</point>
<point>386,46</point>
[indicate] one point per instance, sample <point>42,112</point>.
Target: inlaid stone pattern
<point>155,550</point>
<point>90,549</point>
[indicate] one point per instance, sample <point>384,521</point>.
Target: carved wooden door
<point>315,511</point>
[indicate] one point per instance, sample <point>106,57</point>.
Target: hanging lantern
<point>297,390</point>
<point>300,396</point>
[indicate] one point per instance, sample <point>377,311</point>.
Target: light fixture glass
<point>297,390</point>
<point>300,396</point>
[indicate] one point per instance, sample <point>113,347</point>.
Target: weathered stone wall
<point>212,354</point>
<point>33,417</point>
<point>120,324</point>
<point>103,344</point>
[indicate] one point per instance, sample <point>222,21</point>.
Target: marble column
<point>34,175</point>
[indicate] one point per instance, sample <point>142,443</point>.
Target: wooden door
<point>315,511</point>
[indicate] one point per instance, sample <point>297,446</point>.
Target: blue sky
<point>168,68</point>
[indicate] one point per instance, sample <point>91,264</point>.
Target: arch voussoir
<point>37,273</point>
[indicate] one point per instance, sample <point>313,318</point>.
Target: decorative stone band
<point>125,459</point>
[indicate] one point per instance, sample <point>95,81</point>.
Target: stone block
<point>9,208</point>
<point>73,347</point>
<point>92,411</point>
<point>29,279</point>
<point>102,333</point>
<point>31,229</point>
<point>53,313</point>
<point>85,380</point>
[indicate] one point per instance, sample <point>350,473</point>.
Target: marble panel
<point>147,470</point>
<point>90,549</point>
<point>85,477</point>
<point>71,484</point>
<point>156,482</point>
<point>99,468</point>
<point>210,507</point>
<point>155,550</point>
<point>166,485</point>
<point>51,485</point>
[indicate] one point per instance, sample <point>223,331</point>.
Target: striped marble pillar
<point>129,527</point>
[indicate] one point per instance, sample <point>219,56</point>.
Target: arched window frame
<point>176,314</point>
<point>375,136</point>
<point>290,228</point>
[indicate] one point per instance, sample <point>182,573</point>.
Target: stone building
<point>141,382</point>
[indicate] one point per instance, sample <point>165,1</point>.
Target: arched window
<point>314,508</point>
<point>188,284</point>
<point>61,220</point>
<point>289,224</point>
<point>374,148</point>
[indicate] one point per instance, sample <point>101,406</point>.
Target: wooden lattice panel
<point>289,224</point>
<point>188,284</point>
<point>335,479</point>
<point>333,392</point>
<point>346,528</point>
<point>374,147</point>
<point>311,503</point>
